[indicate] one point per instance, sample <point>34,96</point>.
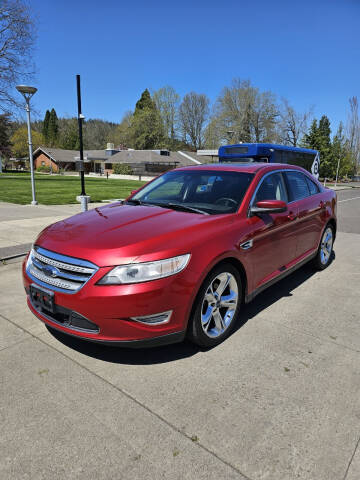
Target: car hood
<point>119,233</point>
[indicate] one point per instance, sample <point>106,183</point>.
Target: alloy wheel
<point>219,304</point>
<point>326,246</point>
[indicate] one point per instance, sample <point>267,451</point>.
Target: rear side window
<point>314,189</point>
<point>272,188</point>
<point>298,185</point>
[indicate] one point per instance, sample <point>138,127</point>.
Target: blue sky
<point>306,51</point>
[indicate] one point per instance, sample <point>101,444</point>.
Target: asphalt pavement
<point>279,400</point>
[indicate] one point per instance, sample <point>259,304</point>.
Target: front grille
<point>59,272</point>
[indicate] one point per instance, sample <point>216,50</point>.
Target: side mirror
<point>268,206</point>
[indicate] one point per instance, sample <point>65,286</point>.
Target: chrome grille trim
<point>69,276</point>
<point>64,266</point>
<point>53,281</point>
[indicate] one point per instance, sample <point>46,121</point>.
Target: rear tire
<point>216,307</point>
<point>324,253</point>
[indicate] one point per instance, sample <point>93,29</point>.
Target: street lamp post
<point>27,93</point>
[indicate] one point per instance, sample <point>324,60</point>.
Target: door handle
<point>292,216</point>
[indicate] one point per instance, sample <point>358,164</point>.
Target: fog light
<point>156,319</point>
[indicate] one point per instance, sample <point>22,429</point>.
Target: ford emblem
<point>51,271</point>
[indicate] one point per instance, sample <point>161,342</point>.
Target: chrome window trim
<point>260,183</point>
<point>279,171</point>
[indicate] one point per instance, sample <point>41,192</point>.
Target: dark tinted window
<point>272,188</point>
<point>302,159</point>
<point>314,189</point>
<point>298,185</point>
<point>234,150</point>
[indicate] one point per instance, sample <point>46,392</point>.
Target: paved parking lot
<point>280,399</point>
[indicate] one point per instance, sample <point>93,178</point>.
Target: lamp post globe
<point>27,91</point>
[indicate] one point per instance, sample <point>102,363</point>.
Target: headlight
<point>143,272</point>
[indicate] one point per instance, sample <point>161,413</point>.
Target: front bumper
<point>111,308</point>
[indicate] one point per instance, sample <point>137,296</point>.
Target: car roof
<point>240,167</point>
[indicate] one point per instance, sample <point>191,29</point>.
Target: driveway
<point>280,399</point>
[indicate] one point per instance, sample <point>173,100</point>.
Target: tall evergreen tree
<point>5,143</point>
<point>45,129</point>
<point>146,124</point>
<point>318,138</point>
<point>327,161</point>
<point>145,102</point>
<point>53,129</point>
<point>311,138</point>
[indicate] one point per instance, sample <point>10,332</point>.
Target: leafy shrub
<point>122,169</point>
<point>43,168</point>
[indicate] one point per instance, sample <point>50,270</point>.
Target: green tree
<point>97,133</point>
<point>53,129</point>
<point>123,135</point>
<point>45,127</point>
<point>19,140</point>
<point>5,144</point>
<point>342,154</point>
<point>318,138</point>
<point>145,102</point>
<point>69,134</point>
<point>146,124</point>
<point>311,138</point>
<point>147,130</point>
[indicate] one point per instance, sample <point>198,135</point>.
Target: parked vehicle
<point>271,153</point>
<point>180,256</point>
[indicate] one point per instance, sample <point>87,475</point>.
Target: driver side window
<point>272,188</point>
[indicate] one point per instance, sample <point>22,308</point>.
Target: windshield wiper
<point>179,206</point>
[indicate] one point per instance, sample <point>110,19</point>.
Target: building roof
<point>149,156</point>
<point>59,155</point>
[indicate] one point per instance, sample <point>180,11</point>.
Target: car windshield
<point>197,191</point>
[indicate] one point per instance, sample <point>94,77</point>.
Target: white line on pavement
<point>348,199</point>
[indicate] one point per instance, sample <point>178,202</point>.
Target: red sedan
<point>179,256</point>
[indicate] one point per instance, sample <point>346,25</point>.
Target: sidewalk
<point>20,224</point>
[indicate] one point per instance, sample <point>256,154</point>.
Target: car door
<point>304,196</point>
<point>273,238</point>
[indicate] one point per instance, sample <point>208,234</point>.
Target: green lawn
<point>60,190</point>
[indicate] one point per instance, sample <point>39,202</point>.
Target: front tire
<point>216,306</point>
<point>324,254</point>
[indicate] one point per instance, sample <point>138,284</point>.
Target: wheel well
<point>240,267</point>
<point>332,222</point>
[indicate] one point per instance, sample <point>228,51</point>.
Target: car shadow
<point>281,289</point>
<point>130,356</point>
<point>170,353</point>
